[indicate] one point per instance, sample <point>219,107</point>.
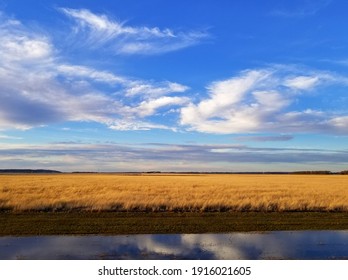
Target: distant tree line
<point>40,171</point>
<point>317,172</point>
<point>28,171</point>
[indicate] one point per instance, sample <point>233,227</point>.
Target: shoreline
<point>119,223</point>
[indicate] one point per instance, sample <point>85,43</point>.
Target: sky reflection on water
<point>267,245</point>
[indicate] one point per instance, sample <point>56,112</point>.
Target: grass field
<point>173,193</point>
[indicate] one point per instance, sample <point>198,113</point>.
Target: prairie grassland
<point>189,193</point>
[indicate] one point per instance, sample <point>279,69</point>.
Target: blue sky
<point>174,85</point>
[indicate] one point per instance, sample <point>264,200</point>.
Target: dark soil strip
<point>110,223</point>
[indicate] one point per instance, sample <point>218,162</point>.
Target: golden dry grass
<point>110,192</point>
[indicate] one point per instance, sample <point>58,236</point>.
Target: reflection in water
<point>269,245</point>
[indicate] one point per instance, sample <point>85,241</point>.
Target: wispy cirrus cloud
<point>98,30</point>
<point>38,87</point>
<point>131,87</point>
<point>84,72</point>
<point>301,8</point>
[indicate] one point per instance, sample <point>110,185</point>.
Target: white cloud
<point>260,101</point>
<point>85,17</point>
<point>223,112</point>
<point>147,89</point>
<point>18,45</point>
<point>302,82</point>
<point>87,72</point>
<point>102,23</point>
<point>124,124</point>
<point>131,87</point>
<point>8,137</point>
<point>24,48</point>
<point>100,30</point>
<point>269,101</point>
<point>149,107</point>
<point>341,123</point>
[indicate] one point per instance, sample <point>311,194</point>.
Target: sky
<point>208,85</point>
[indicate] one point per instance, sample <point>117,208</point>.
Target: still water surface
<point>249,246</point>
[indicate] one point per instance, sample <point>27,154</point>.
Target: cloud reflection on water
<point>268,245</point>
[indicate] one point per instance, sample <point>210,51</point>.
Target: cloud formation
<point>38,87</point>
<point>101,31</point>
<point>166,157</point>
<point>261,101</point>
<point>149,107</point>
